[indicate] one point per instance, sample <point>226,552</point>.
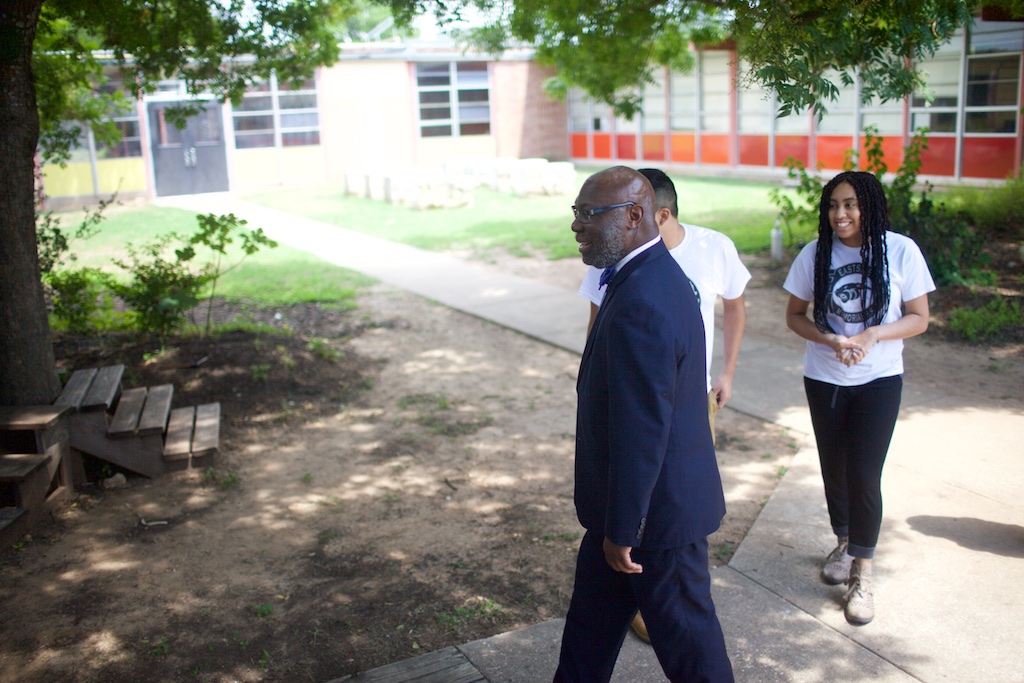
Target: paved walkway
<point>950,566</point>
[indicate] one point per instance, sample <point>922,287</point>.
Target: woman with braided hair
<point>869,290</point>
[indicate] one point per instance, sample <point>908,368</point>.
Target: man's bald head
<point>612,233</point>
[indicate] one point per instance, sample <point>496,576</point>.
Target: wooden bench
<point>35,466</point>
<point>136,428</point>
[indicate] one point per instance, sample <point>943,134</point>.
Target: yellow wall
<point>287,166</point>
<point>75,179</point>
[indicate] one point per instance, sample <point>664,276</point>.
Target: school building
<point>414,104</point>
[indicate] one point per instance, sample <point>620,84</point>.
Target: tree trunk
<point>27,368</point>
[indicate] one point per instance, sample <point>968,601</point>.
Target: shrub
<point>160,290</point>
<point>75,295</point>
<point>987,321</point>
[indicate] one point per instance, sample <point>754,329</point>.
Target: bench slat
<point>105,388</point>
<point>14,468</point>
<point>207,436</point>
<point>126,418</point>
<point>75,390</point>
<point>179,433</point>
<point>158,406</point>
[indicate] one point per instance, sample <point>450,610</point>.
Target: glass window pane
<point>474,113</point>
<point>794,124</point>
<point>943,78</point>
<point>992,122</point>
<point>435,97</point>
<point>428,113</point>
<point>257,103</point>
<point>935,122</point>
<point>307,101</point>
<point>837,122</point>
<point>997,36</point>
<point>887,123</point>
<point>992,81</point>
<point>602,118</point>
<point>208,126</point>
<point>304,120</point>
<point>471,74</point>
<point>309,137</point>
<point>251,123</point>
<point>472,96</point>
<point>755,123</point>
<point>250,141</point>
<point>475,129</point>
<point>579,111</point>
<point>435,131</point>
<point>432,74</point>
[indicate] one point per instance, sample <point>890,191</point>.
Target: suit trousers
<point>674,595</point>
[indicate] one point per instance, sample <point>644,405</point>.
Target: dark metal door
<point>189,161</point>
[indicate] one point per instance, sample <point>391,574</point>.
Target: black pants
<point>853,428</point>
<point>674,595</point>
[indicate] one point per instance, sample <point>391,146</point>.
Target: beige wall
<point>369,116</point>
<point>369,111</point>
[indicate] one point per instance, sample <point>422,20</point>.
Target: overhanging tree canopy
<point>797,48</point>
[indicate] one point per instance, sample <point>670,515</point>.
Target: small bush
<point>987,321</point>
<point>160,288</point>
<point>997,210</point>
<point>76,295</point>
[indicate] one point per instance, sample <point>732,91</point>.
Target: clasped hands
<point>852,350</point>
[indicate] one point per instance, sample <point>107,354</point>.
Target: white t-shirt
<point>712,264</point>
<point>908,279</point>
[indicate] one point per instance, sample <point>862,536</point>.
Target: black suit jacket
<point>646,474</point>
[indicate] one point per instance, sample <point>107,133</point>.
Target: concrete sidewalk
<point>950,564</point>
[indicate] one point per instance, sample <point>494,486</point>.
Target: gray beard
<point>613,248</point>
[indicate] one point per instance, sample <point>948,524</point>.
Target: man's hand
<point>617,557</point>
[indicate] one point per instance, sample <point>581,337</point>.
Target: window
<point>579,111</point>
<point>943,84</point>
<point>683,102</point>
<point>993,76</point>
<point>126,119</point>
<point>840,117</point>
<point>755,114</point>
<point>716,92</point>
<point>454,99</point>
<point>655,114</point>
<point>270,109</point>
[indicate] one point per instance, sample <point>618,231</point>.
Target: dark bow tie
<point>606,277</point>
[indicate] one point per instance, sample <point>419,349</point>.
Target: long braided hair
<point>874,222</point>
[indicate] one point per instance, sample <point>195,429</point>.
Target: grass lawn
<point>521,225</point>
<point>273,276</point>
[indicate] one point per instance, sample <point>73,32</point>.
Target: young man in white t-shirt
<point>710,261</point>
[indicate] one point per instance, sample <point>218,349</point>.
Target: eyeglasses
<point>584,215</point>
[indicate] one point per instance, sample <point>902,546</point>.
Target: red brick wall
<point>525,122</point>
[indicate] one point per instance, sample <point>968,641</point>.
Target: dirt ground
<point>392,480</point>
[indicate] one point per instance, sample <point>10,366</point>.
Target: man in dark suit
<point>648,490</point>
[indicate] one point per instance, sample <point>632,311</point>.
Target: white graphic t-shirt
<point>710,261</point>
<point>908,279</point>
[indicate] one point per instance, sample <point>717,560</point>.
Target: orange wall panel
<point>654,147</point>
<point>602,146</point>
<point>831,150</point>
<point>684,148</point>
<point>714,149</point>
<point>754,150</point>
<point>625,146</point>
<point>579,145</point>
<point>792,146</point>
<point>892,151</point>
<point>940,157</point>
<point>988,157</point>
